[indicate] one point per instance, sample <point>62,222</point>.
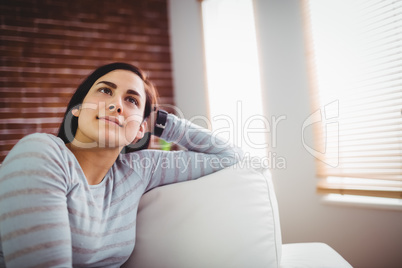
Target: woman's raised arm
<point>205,153</point>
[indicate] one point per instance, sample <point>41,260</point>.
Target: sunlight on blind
<point>357,61</point>
<point>233,74</point>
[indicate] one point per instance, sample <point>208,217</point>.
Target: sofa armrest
<point>226,219</point>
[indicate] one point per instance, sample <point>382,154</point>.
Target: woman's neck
<point>94,162</point>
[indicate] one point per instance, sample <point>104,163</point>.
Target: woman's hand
<point>151,121</point>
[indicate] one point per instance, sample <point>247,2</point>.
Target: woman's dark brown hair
<point>69,126</point>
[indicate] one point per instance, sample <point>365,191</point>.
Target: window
<point>233,76</point>
<point>355,60</point>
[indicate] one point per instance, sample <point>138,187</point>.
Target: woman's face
<point>111,114</point>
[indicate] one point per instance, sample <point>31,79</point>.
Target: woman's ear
<point>142,130</point>
<point>75,112</point>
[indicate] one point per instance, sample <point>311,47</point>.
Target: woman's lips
<point>111,119</point>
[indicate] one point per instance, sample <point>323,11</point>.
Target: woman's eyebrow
<point>133,92</point>
<point>114,86</point>
<point>110,84</point>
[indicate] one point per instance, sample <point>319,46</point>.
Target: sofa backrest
<point>226,219</point>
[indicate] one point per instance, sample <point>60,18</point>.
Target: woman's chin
<point>111,141</point>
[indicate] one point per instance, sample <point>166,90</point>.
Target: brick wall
<point>48,47</point>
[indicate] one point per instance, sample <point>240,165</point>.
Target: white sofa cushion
<point>308,255</point>
<point>226,219</point>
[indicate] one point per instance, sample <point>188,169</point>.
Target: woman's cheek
<point>85,118</point>
<point>131,131</point>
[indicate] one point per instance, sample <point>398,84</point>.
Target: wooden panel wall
<point>48,47</point>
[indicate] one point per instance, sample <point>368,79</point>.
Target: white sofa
<point>227,219</point>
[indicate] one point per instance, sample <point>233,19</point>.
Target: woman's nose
<point>115,107</point>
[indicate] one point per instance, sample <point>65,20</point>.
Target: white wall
<point>366,237</point>
<point>188,58</point>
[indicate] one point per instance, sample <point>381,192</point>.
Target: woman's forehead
<point>123,79</point>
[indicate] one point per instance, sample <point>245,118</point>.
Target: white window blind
<point>355,60</point>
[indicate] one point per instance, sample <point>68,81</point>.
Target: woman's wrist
<point>160,122</point>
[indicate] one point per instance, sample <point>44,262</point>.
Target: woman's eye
<point>132,100</point>
<point>105,90</point>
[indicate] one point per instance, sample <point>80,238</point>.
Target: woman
<point>72,200</point>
